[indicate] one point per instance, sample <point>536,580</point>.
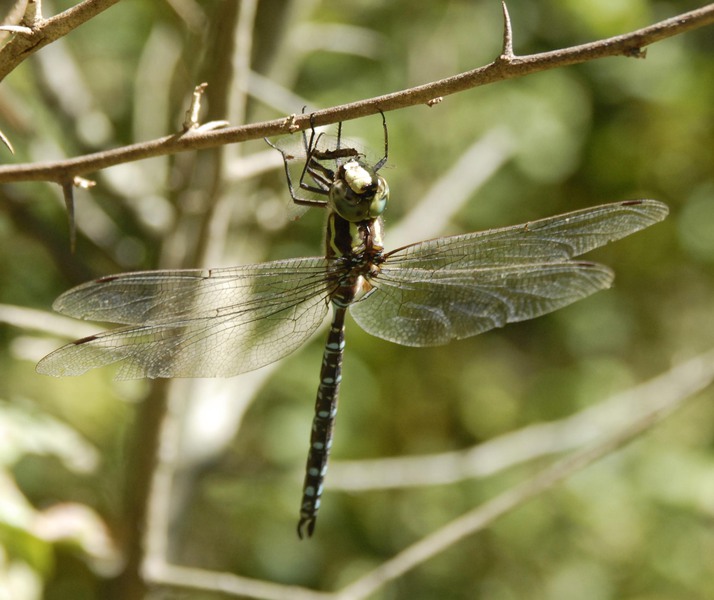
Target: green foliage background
<point>637,525</point>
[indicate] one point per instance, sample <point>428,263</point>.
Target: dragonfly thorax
<point>358,193</point>
<point>359,241</point>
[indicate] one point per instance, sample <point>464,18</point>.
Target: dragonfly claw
<point>306,526</point>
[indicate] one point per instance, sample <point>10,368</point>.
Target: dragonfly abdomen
<point>323,422</point>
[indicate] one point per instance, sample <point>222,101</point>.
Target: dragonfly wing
<point>554,239</point>
<point>419,307</point>
<point>215,323</point>
<point>150,297</point>
<point>455,287</point>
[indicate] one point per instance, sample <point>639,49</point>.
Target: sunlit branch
<point>504,67</point>
<point>45,31</point>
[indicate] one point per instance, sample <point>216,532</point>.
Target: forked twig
<point>39,32</point>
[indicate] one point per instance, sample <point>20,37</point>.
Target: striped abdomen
<point>324,421</point>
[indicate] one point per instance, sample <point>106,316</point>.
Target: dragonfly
<point>227,321</point>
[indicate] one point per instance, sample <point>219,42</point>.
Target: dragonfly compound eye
<point>358,193</point>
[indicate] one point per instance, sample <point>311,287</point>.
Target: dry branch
<point>45,31</point>
<point>506,66</point>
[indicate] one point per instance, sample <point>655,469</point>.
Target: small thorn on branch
<point>68,193</point>
<point>191,120</point>
<point>83,183</point>
<point>507,51</point>
<point>16,29</point>
<point>213,125</point>
<point>636,52</point>
<point>4,139</point>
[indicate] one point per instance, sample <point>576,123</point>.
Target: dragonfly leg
<point>383,160</point>
<point>323,423</point>
<point>293,194</point>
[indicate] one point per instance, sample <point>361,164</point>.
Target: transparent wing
<point>455,287</point>
<point>417,307</point>
<point>149,297</point>
<point>554,239</point>
<point>193,323</point>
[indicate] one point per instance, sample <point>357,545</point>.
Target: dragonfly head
<point>358,192</point>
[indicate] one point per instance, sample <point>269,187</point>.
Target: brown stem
<point>46,31</point>
<point>504,67</point>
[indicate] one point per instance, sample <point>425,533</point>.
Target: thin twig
<point>16,29</point>
<point>495,455</point>
<point>502,68</point>
<point>216,218</point>
<point>45,322</point>
<point>68,194</point>
<point>230,584</point>
<point>164,500</point>
<point>46,31</point>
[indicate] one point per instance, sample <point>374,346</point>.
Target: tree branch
<point>46,31</point>
<point>504,67</point>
